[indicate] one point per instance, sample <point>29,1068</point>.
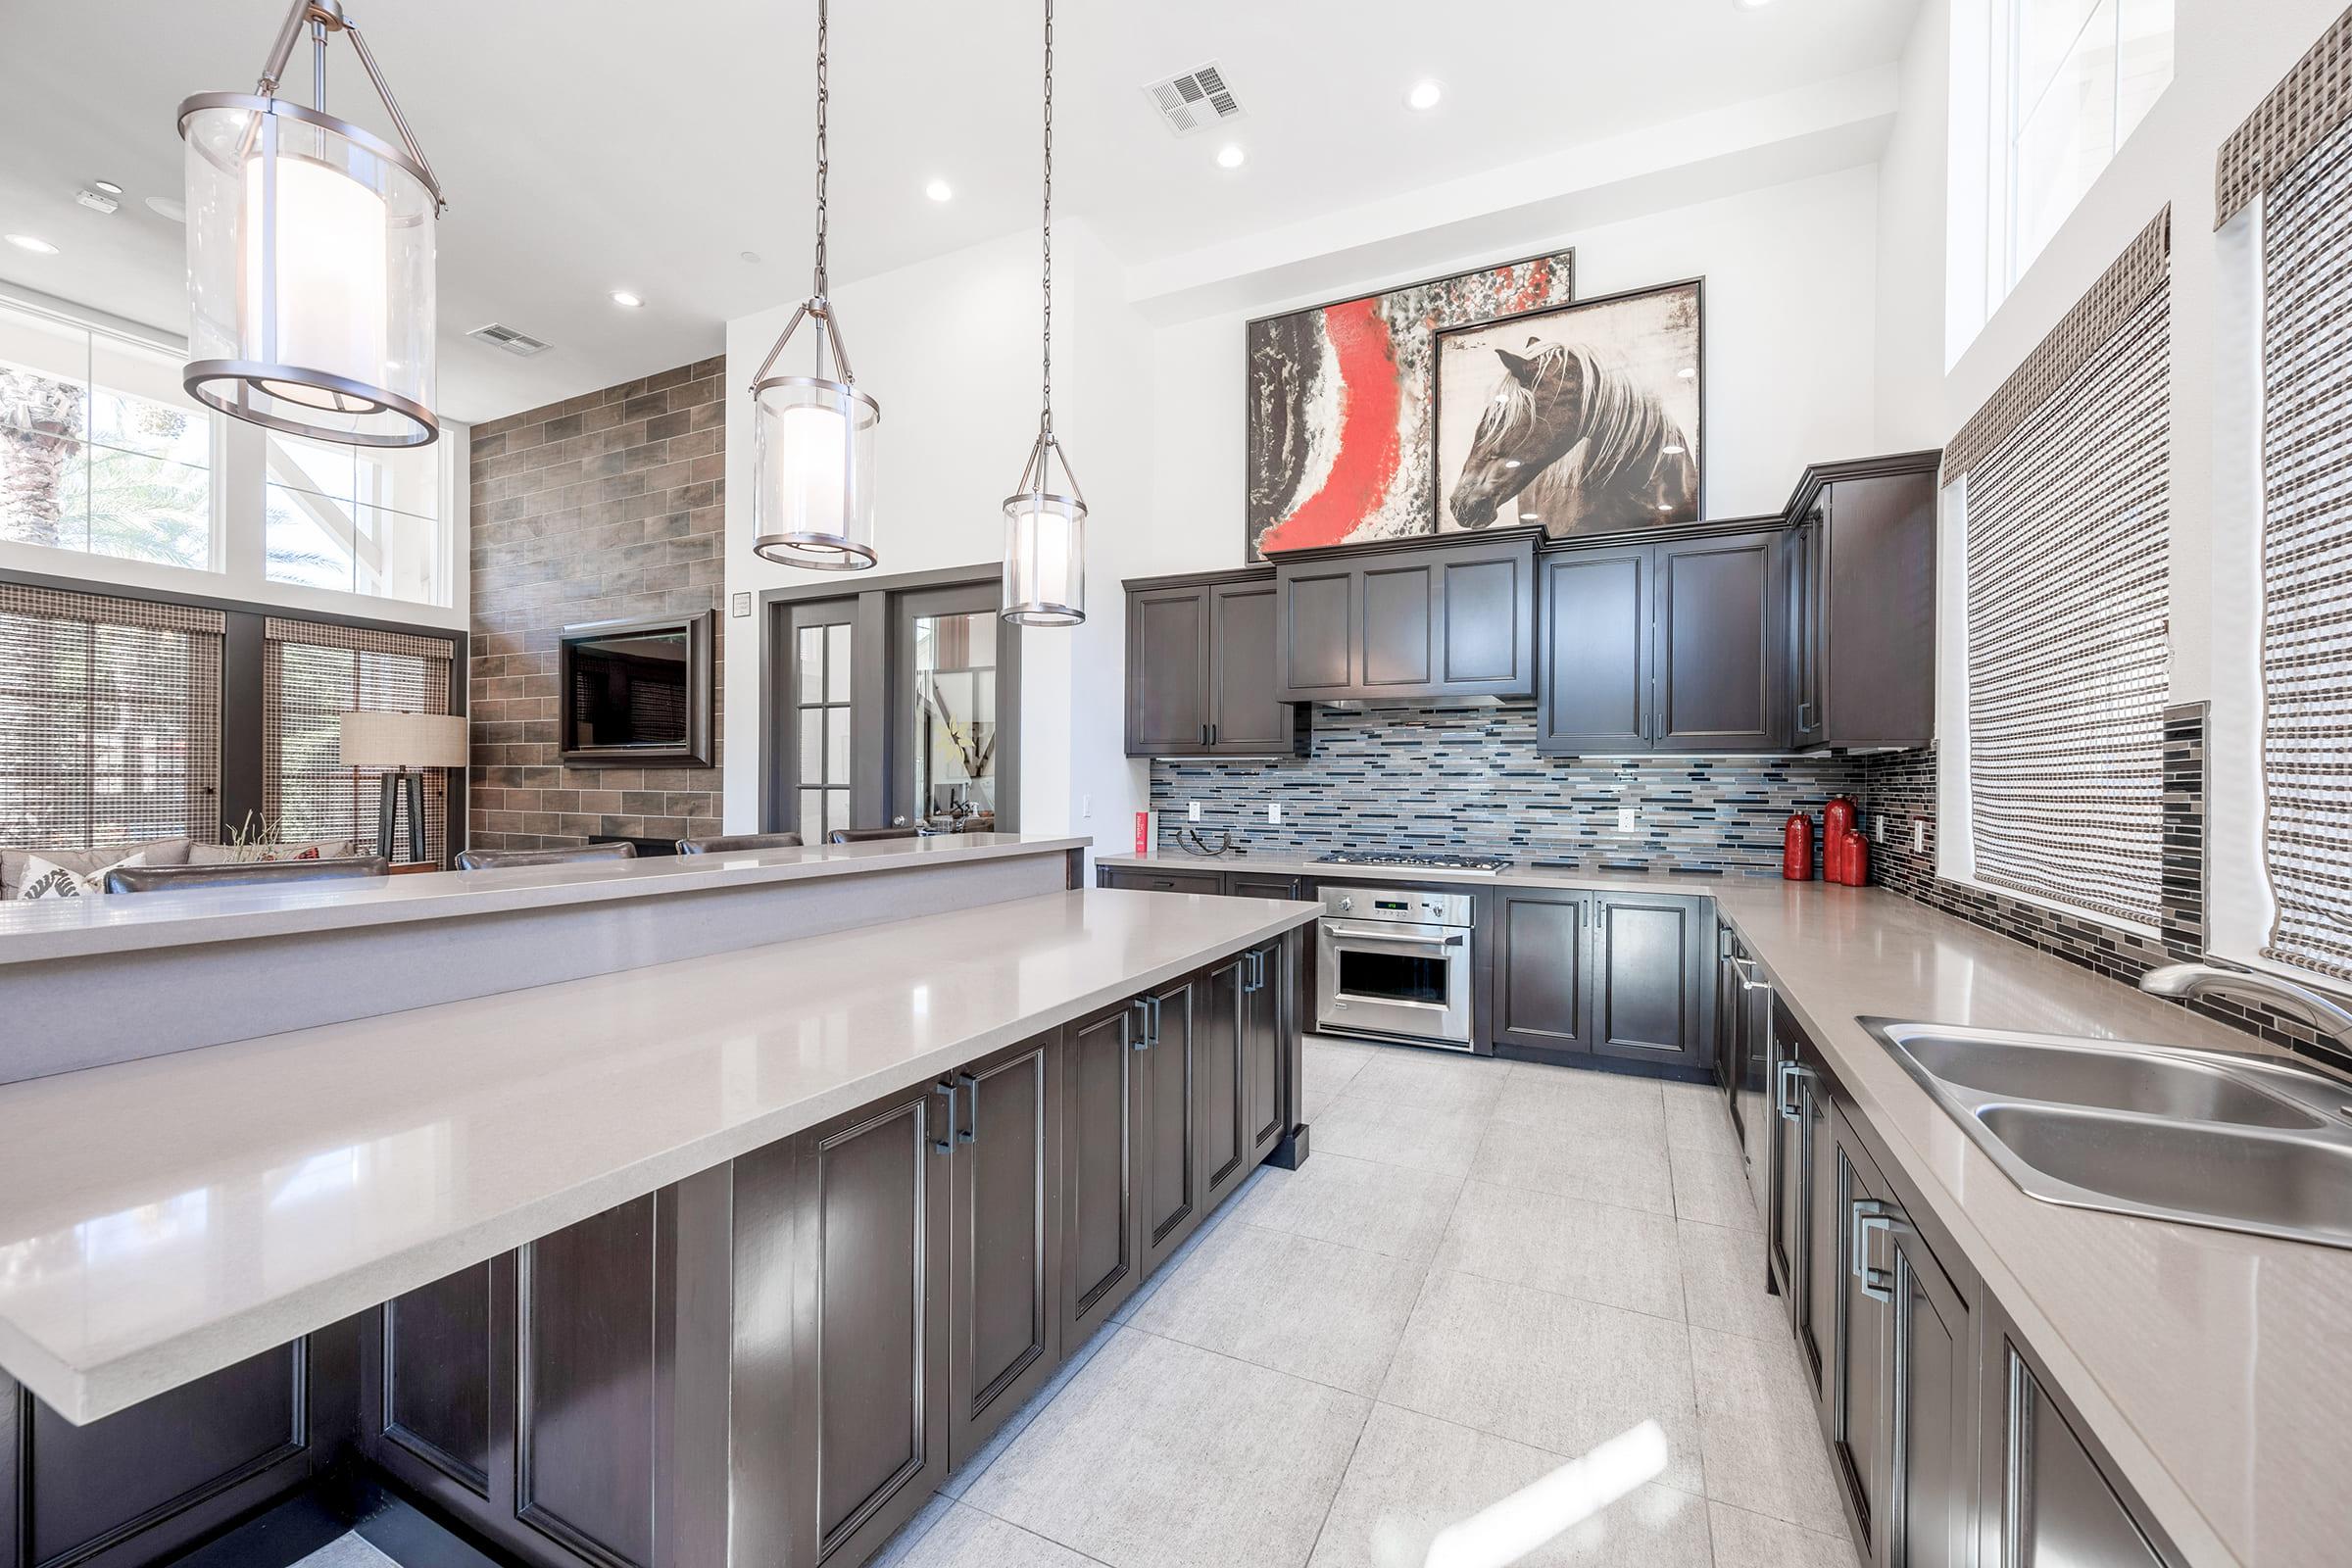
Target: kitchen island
<point>734,1254</point>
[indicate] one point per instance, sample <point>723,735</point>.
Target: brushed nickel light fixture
<point>1045,532</point>
<point>310,296</point>
<point>812,437</point>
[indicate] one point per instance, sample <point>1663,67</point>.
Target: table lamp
<point>401,742</point>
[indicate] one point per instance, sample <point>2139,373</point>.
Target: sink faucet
<point>2190,981</point>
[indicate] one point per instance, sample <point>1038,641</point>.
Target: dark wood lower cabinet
<point>873,1228</point>
<point>1004,1243</point>
<point>1112,876</point>
<point>1539,969</point>
<point>2047,1502</point>
<point>777,1360</point>
<point>1648,963</point>
<point>1170,1153</point>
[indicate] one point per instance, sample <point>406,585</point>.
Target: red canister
<point>1855,862</point>
<point>1796,848</point>
<point>1838,819</point>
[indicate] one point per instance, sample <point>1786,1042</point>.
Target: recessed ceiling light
<point>168,207</point>
<point>32,243</point>
<point>1425,95</point>
<point>1231,155</point>
<point>108,186</point>
<point>939,190</point>
<point>1752,5</point>
<point>626,300</point>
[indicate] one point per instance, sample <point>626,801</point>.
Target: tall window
<point>361,520</point>
<point>2066,501</point>
<point>110,719</point>
<point>2043,92</point>
<point>312,675</point>
<point>2307,558</point>
<point>100,451</point>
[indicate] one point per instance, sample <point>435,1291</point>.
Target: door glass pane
<point>812,816</point>
<point>837,744</point>
<point>813,664</point>
<point>837,664</point>
<point>812,745</point>
<point>954,713</point>
<point>836,810</point>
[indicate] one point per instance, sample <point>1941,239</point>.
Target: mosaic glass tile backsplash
<point>1470,781</point>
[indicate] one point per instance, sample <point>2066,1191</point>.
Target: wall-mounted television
<point>637,691</point>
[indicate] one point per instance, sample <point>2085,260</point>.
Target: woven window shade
<point>110,719</point>
<point>312,675</point>
<point>2067,638</point>
<point>2304,110</point>
<point>2307,556</point>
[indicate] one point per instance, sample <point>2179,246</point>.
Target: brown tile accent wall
<point>606,506</point>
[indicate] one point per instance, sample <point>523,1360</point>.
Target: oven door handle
<point>1347,933</point>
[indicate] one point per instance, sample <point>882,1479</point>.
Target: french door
<point>884,708</point>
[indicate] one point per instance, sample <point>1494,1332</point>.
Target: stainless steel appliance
<point>1431,861</point>
<point>1395,965</point>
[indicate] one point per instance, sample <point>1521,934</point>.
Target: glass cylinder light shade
<point>812,472</point>
<point>310,298</point>
<point>1044,559</point>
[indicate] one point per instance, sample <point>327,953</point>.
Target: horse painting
<point>1588,432</point>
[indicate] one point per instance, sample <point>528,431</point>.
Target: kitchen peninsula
<point>735,1253</point>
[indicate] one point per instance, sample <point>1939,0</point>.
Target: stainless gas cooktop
<point>1432,861</point>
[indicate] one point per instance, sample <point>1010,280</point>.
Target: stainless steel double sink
<point>2198,1137</point>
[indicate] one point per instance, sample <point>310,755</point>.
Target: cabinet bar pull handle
<point>1143,1024</point>
<point>1153,1002</point>
<point>1783,1098</point>
<point>1873,1214</point>
<point>1748,975</point>
<point>943,1143</point>
<point>971,1109</point>
<point>1802,723</point>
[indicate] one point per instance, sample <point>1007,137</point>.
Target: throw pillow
<point>86,862</point>
<point>45,879</point>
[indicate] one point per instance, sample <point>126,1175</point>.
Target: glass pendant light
<point>1045,530</point>
<point>309,256</point>
<point>812,437</point>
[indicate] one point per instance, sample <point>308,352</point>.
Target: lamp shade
<point>404,739</point>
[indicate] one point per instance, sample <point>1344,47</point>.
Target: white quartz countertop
<point>64,928</point>
<point>1589,874</point>
<point>162,1218</point>
<point>2215,1367</point>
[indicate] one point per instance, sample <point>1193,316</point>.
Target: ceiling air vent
<point>1197,99</point>
<point>521,344</point>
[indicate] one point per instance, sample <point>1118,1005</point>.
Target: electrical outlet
<point>1192,810</point>
<point>1880,824</point>
<point>1919,836</point>
<point>1085,806</point>
<point>1274,813</point>
<point>1625,819</point>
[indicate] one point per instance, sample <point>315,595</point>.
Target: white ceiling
<point>588,145</point>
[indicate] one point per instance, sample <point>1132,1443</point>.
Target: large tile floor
<point>1484,1271</point>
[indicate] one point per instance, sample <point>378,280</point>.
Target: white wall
<point>1911,261</point>
<point>1790,276</point>
<point>950,348</point>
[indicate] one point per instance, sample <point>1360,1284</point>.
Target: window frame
<point>238,568</point>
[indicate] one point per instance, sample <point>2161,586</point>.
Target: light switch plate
<point>1919,837</point>
<point>1192,810</point>
<point>1625,819</point>
<point>741,605</point>
<point>1880,824</point>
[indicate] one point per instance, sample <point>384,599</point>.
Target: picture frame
<point>1587,418</point>
<point>1340,398</point>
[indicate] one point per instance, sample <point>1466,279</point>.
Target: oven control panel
<point>1401,905</point>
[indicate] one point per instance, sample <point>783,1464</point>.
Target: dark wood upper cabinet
<point>1201,653</point>
<point>1597,651</point>
<point>1861,596</point>
<point>1719,639</point>
<point>1167,669</point>
<point>1438,618</point>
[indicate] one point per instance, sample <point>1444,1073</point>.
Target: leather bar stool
<point>243,874</point>
<point>859,835</point>
<point>731,843</point>
<point>493,860</point>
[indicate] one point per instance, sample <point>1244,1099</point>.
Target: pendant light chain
<point>1045,417</point>
<point>823,27</point>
